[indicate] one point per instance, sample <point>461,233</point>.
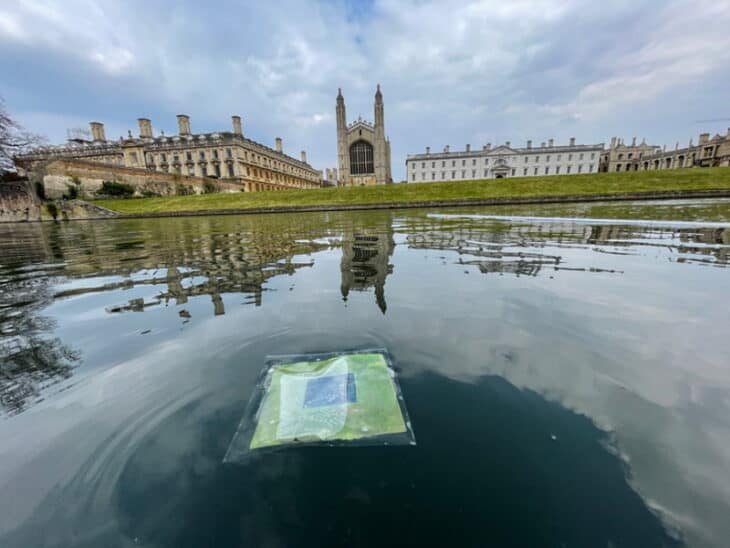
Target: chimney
<point>97,131</point>
<point>145,128</point>
<point>572,141</point>
<point>550,143</point>
<point>633,142</point>
<point>489,146</point>
<point>446,149</point>
<point>279,147</point>
<point>304,156</point>
<point>542,144</point>
<point>183,124</point>
<point>468,147</point>
<point>428,150</point>
<point>704,138</point>
<point>613,142</point>
<point>529,143</point>
<point>236,121</point>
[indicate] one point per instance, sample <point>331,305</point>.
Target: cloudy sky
<point>452,72</point>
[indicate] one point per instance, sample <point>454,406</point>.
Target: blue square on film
<point>330,390</point>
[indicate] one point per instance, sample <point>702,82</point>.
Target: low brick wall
<point>59,176</point>
<point>18,202</point>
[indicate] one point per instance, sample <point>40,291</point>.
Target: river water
<point>565,369</point>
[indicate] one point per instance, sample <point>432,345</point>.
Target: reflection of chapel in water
<point>365,263</point>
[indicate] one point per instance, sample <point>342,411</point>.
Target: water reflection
<point>580,385</point>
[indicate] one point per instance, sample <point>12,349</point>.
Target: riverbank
<point>684,183</point>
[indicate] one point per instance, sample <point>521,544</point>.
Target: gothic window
<point>547,170</point>
<point>164,157</point>
<point>524,172</point>
<point>217,170</point>
<point>204,170</point>
<point>201,155</point>
<point>513,171</point>
<point>453,174</point>
<point>228,153</point>
<point>189,156</point>
<point>230,170</point>
<point>215,154</point>
<point>535,171</point>
<point>361,158</point>
<point>433,176</point>
<point>474,162</point>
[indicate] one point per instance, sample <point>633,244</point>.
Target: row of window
<point>216,154</point>
<point>525,172</point>
<point>558,158</point>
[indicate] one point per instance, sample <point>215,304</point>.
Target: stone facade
<point>58,176</point>
<point>18,202</point>
<point>226,155</point>
<point>709,152</point>
<point>363,152</point>
<point>503,161</point>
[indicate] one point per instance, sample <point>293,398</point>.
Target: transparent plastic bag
<point>341,398</point>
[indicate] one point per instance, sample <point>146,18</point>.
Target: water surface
<point>565,369</point>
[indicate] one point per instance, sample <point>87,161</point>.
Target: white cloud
<point>451,71</point>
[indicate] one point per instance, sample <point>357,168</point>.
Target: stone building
<point>503,161</point>
<point>363,152</point>
<point>220,155</point>
<point>708,152</point>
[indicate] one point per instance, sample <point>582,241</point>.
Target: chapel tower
<point>363,151</point>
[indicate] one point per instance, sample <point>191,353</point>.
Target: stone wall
<point>59,176</point>
<point>18,202</point>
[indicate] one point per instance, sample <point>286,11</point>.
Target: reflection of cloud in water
<point>613,322</point>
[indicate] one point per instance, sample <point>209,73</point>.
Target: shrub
<point>113,188</point>
<point>183,190</point>
<point>52,210</point>
<point>40,190</point>
<point>209,187</point>
<point>73,192</point>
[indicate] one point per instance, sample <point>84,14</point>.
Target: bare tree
<point>14,139</point>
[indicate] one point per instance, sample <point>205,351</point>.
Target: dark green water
<point>567,379</point>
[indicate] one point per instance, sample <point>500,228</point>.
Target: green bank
<point>679,180</point>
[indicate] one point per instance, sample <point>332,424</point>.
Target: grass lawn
<point>518,187</point>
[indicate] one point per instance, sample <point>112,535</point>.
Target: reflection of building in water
<point>365,263</point>
<point>502,247</point>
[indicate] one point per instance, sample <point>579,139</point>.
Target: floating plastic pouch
<point>347,398</point>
